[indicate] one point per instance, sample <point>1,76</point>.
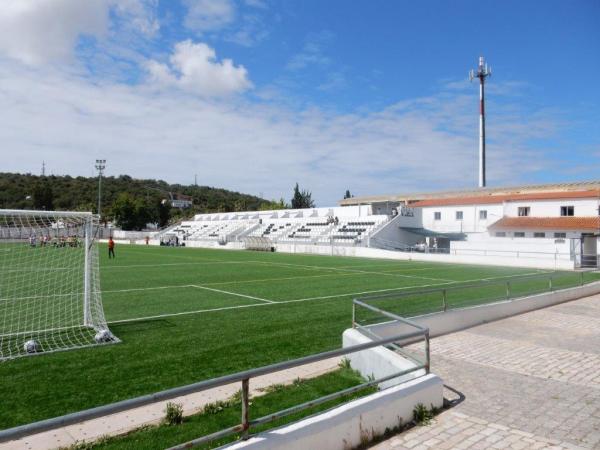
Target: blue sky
<point>254,95</point>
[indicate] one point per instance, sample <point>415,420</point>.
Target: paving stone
<point>530,382</point>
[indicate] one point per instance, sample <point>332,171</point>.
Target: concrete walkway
<point>152,414</point>
<point>529,382</point>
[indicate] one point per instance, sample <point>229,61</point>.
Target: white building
<point>550,219</point>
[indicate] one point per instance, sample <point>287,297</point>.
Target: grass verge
<point>227,413</point>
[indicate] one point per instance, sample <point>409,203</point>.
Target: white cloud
<point>137,15</point>
<point>44,31</point>
<point>248,32</point>
<point>333,81</point>
<point>421,144</point>
<point>208,15</point>
<point>261,4</point>
<point>38,31</point>
<point>312,53</point>
<point>194,67</point>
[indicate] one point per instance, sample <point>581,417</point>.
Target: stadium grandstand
<point>546,221</point>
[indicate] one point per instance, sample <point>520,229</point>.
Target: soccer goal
<point>50,296</point>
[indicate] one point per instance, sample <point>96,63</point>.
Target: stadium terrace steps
<point>349,231</point>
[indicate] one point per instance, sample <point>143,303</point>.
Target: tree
<point>348,194</point>
<point>43,197</point>
<point>273,205</point>
<point>133,214</point>
<point>164,213</point>
<point>123,210</point>
<point>239,205</point>
<point>302,199</point>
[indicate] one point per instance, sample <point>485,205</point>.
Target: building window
<point>524,211</point>
<point>437,215</point>
<point>483,214</point>
<point>539,235</point>
<point>560,235</point>
<point>459,215</point>
<point>500,233</point>
<point>519,234</point>
<point>567,210</point>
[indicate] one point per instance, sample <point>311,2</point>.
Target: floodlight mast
<point>100,166</point>
<point>483,71</point>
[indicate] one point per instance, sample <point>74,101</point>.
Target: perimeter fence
<point>454,296</point>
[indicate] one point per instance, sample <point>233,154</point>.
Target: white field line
<point>389,263</point>
<point>146,288</point>
<point>116,291</point>
<point>309,299</point>
<point>233,293</point>
<point>33,297</point>
<point>48,269</point>
<point>352,270</point>
<point>172,264</point>
<point>283,302</point>
<point>215,283</point>
<point>299,277</point>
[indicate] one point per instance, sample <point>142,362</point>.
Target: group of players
<point>67,241</point>
<point>62,241</point>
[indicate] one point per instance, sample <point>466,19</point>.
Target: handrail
<point>443,291</point>
<point>243,377</point>
<point>457,286</point>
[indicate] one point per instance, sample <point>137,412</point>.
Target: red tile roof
<point>491,199</point>
<point>549,223</point>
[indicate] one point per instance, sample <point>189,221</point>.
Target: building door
<point>589,251</point>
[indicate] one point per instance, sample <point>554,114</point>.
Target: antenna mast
<point>483,71</point>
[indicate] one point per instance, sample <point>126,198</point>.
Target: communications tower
<point>482,72</point>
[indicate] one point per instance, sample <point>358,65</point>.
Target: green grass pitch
<point>186,315</point>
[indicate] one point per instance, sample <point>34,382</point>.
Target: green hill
<point>26,191</point>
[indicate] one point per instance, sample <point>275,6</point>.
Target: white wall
<point>534,247</point>
<point>346,426</point>
<point>378,362</point>
<point>470,222</point>
<point>391,232</point>
<point>414,221</point>
<point>551,208</point>
<point>510,260</point>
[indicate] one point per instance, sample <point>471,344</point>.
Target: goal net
<point>49,283</point>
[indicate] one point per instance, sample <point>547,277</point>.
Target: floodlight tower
<point>100,166</point>
<point>483,71</point>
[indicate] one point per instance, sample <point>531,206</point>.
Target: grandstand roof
<point>549,223</point>
<point>481,193</point>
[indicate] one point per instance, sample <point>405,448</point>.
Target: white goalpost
<point>50,296</point>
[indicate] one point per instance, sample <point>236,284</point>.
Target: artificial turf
<point>185,315</point>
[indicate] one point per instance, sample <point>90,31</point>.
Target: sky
<point>255,95</point>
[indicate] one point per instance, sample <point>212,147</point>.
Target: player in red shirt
<point>111,247</point>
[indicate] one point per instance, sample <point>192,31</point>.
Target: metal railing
<point>396,345</point>
<point>471,294</point>
<point>420,333</point>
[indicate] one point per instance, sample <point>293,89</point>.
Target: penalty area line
<point>268,303</point>
<point>232,293</point>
